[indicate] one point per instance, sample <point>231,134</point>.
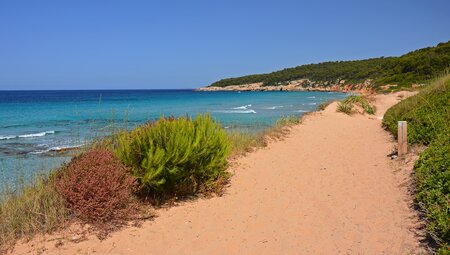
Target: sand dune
<point>328,188</point>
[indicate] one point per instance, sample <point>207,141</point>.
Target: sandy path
<point>328,188</point>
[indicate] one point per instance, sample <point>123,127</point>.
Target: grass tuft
<point>347,105</point>
<point>36,209</point>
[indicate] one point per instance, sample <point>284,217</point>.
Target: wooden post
<point>402,138</point>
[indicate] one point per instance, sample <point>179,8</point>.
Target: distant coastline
<point>299,85</point>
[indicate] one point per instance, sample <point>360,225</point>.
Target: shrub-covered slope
<point>414,67</point>
<point>428,116</point>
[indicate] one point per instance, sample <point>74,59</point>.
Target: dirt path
<point>328,188</point>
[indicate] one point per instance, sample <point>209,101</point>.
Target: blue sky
<point>88,44</point>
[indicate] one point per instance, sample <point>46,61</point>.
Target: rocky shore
<point>300,85</point>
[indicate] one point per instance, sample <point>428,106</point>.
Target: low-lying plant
<point>348,104</point>
<point>345,107</point>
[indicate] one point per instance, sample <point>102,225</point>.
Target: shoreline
<point>270,199</point>
<point>299,85</point>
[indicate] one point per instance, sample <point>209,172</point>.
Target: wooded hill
<point>415,67</point>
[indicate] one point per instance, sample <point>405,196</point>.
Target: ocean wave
<point>36,134</point>
<point>237,111</point>
<point>312,103</point>
<point>244,107</point>
<point>58,148</point>
<point>301,111</point>
<point>312,97</point>
<point>274,107</point>
<point>7,137</point>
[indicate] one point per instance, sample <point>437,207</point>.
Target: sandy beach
<point>327,188</point>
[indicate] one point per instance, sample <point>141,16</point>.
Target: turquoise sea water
<point>35,125</point>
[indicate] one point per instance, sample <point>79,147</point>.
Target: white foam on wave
<point>244,107</point>
<point>312,97</point>
<point>312,103</point>
<point>7,137</point>
<point>301,111</point>
<point>237,111</point>
<point>36,134</point>
<point>274,107</point>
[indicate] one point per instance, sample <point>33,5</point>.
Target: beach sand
<point>327,188</point>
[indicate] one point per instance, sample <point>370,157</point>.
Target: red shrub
<point>97,187</point>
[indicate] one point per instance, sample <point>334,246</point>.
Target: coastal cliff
<point>300,85</point>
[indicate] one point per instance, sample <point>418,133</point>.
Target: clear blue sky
<point>94,44</point>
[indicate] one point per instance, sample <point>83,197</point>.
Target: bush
<point>96,187</point>
<point>176,156</point>
<point>36,208</point>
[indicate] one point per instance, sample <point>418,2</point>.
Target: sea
<point>36,126</point>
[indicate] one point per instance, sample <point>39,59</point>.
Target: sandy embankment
<point>328,188</point>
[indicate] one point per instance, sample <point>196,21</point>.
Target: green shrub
<point>427,113</point>
<point>176,156</point>
<point>428,116</point>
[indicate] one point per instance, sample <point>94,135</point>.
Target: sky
<point>107,44</point>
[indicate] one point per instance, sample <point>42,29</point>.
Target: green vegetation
<point>347,105</point>
<point>427,113</point>
<point>176,156</point>
<point>415,67</point>
<point>428,116</point>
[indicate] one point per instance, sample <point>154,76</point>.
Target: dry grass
<point>36,209</point>
<point>242,143</point>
